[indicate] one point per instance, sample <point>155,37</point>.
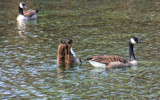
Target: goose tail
<point>37,11</point>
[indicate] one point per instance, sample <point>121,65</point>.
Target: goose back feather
<point>109,61</point>
<point>32,14</point>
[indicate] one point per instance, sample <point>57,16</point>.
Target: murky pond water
<point>28,68</point>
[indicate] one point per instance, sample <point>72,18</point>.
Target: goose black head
<point>134,40</point>
<point>22,5</point>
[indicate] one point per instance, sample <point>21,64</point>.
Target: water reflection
<point>63,69</point>
<point>22,25</point>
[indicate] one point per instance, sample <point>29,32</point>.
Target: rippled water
<point>28,51</point>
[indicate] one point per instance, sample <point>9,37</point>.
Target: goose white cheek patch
<point>21,6</point>
<point>132,41</point>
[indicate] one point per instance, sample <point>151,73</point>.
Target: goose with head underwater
<point>112,61</point>
<point>26,15</point>
<point>66,55</point>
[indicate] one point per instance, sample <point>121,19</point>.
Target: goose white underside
<point>77,59</point>
<point>22,17</point>
<point>133,63</point>
<point>97,64</point>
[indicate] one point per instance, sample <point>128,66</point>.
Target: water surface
<point>28,50</point>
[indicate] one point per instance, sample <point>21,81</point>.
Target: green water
<point>28,52</point>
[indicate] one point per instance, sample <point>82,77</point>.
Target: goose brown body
<point>106,59</point>
<point>32,14</point>
<point>111,61</point>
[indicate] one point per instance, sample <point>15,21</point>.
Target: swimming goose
<point>26,15</point>
<point>111,61</point>
<point>66,55</point>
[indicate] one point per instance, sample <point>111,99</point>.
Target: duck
<point>113,61</point>
<point>66,55</point>
<point>26,15</point>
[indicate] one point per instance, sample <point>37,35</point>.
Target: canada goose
<point>25,15</point>
<point>66,55</point>
<point>111,61</point>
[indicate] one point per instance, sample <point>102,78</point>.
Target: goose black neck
<point>20,11</point>
<point>131,52</point>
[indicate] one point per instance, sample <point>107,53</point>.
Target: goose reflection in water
<point>23,25</point>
